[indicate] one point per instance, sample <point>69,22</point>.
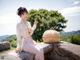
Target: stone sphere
<point>50,36</point>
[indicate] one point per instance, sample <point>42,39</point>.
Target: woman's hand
<point>30,31</point>
<point>18,49</point>
<point>35,22</point>
<point>34,42</point>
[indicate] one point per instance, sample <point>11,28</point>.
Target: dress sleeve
<point>31,29</point>
<point>18,34</point>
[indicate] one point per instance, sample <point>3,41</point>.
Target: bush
<point>13,43</point>
<point>75,39</point>
<point>12,39</point>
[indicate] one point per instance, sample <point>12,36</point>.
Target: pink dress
<point>25,41</point>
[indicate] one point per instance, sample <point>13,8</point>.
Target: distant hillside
<point>3,37</point>
<point>12,37</point>
<point>70,33</point>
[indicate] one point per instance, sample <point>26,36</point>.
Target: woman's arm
<point>19,40</point>
<point>34,26</point>
<point>31,29</point>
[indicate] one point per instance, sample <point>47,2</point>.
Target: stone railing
<point>55,51</point>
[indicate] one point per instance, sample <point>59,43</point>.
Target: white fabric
<point>25,41</point>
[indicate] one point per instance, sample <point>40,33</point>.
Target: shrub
<point>75,39</point>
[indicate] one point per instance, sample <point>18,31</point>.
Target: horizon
<point>61,32</point>
<point>8,17</point>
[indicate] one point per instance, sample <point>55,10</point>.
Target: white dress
<point>25,41</point>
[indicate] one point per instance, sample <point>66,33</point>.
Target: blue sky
<point>8,18</point>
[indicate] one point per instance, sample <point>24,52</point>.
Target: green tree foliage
<point>46,20</point>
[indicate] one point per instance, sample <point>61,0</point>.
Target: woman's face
<point>24,16</point>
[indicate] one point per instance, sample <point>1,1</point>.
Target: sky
<point>70,9</point>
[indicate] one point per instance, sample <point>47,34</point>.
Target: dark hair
<point>21,10</point>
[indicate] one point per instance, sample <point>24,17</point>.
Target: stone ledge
<point>56,51</point>
<point>12,55</point>
<point>75,49</point>
<point>4,46</point>
<point>21,56</point>
<point>72,50</point>
<point>64,51</point>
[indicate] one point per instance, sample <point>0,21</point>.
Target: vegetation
<point>72,38</point>
<point>75,39</point>
<point>12,39</point>
<point>46,20</point>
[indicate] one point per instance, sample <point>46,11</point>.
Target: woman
<point>24,32</point>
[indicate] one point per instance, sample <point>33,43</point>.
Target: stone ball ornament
<point>51,36</point>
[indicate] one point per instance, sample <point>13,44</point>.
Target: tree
<point>46,20</point>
